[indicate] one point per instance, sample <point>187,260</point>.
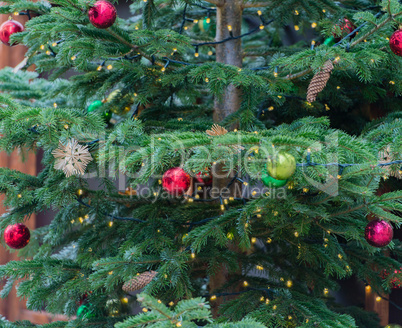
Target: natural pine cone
<point>319,81</point>
<point>139,282</point>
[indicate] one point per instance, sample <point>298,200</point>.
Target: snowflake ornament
<point>71,158</point>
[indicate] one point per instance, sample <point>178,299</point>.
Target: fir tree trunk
<point>229,14</point>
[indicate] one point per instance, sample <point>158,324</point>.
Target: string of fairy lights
<point>223,201</point>
<point>269,295</point>
<point>231,37</point>
<point>168,60</point>
<point>268,292</point>
<point>210,43</point>
<point>209,10</point>
<point>185,19</point>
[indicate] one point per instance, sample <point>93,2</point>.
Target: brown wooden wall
<point>13,308</point>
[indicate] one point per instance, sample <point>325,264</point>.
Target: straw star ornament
<point>217,130</point>
<point>71,158</point>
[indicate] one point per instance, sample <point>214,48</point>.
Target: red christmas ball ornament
<point>395,43</point>
<point>204,178</point>
<point>378,233</point>
<point>8,28</point>
<point>102,14</point>
<point>83,299</point>
<point>396,282</point>
<point>176,181</point>
<point>346,27</point>
<point>17,235</point>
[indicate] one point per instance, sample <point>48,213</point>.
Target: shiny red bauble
<point>204,178</point>
<point>17,235</point>
<point>395,43</point>
<point>176,181</point>
<point>83,299</point>
<point>346,27</point>
<point>378,233</point>
<point>396,282</point>
<point>102,14</point>
<point>8,28</point>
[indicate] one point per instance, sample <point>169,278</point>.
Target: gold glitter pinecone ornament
<point>319,81</point>
<point>139,282</point>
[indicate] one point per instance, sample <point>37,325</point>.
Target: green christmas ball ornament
<point>126,102</point>
<point>281,165</point>
<point>107,116</point>
<point>95,105</point>
<point>204,24</point>
<point>113,307</point>
<point>271,182</point>
<point>329,41</point>
<point>85,312</point>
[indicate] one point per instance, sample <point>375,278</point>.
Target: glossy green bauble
<point>124,104</point>
<point>330,41</point>
<point>271,182</point>
<point>281,166</point>
<point>94,106</point>
<point>85,312</point>
<point>204,24</point>
<point>113,307</point>
<point>107,116</point>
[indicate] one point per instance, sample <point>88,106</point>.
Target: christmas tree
<point>223,157</point>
